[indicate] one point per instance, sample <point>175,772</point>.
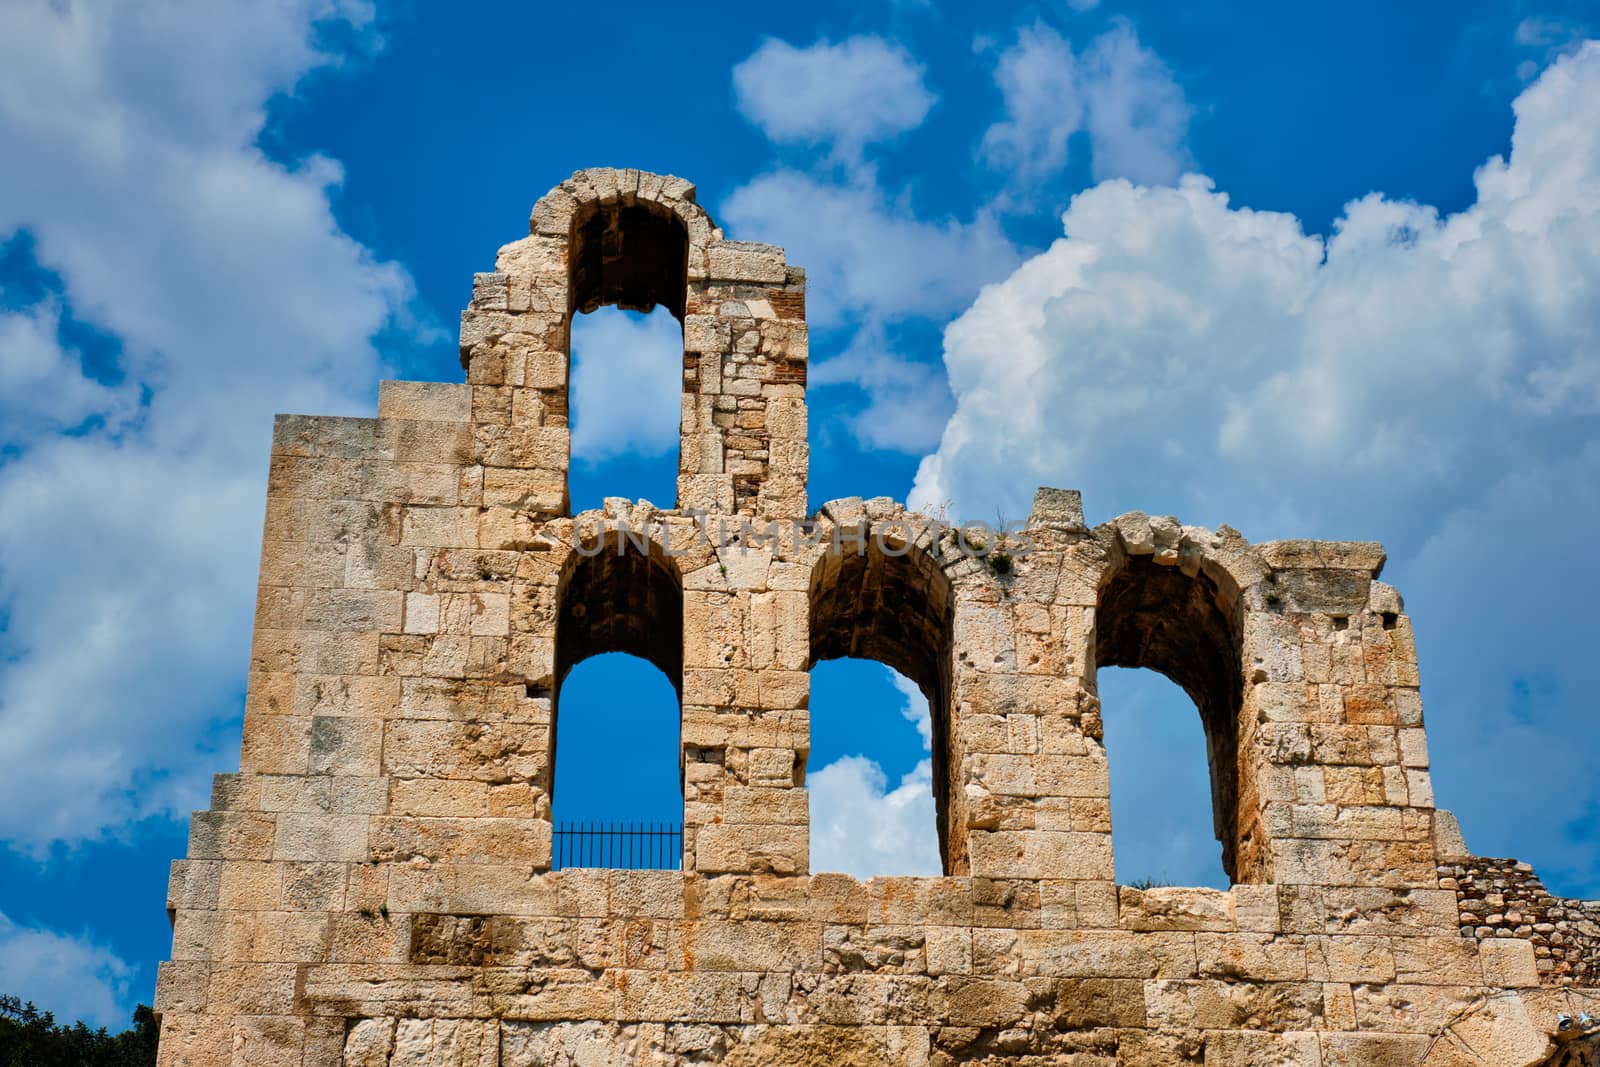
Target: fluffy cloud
<point>1547,36</point>
<point>860,826</point>
<point>127,550</point>
<point>867,254</point>
<point>872,262</point>
<point>1116,91</point>
<point>42,386</point>
<point>646,352</point>
<point>1138,118</point>
<point>70,976</point>
<point>1428,379</point>
<point>1039,83</point>
<point>847,95</point>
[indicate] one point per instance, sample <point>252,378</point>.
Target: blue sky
<point>1326,272</point>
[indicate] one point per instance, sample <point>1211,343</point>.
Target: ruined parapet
<point>638,240</point>
<point>375,885</point>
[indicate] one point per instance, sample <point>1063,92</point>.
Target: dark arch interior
<point>632,255</point>
<point>898,610</point>
<point>1157,617</point>
<point>622,599</point>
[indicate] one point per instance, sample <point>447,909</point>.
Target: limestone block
<point>1058,509</point>
<point>1251,1048</point>
<point>1503,1031</point>
<point>744,261</point>
<point>1508,963</point>
<point>1220,1005</point>
<point>772,849</point>
<point>1255,957</point>
<point>216,835</point>
<point>1357,959</point>
<point>1366,556</point>
<point>1173,908</point>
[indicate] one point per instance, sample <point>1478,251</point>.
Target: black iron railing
<point>619,846</point>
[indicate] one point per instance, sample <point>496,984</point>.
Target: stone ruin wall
<point>374,886</point>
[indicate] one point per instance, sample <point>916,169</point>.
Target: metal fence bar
<point>628,846</point>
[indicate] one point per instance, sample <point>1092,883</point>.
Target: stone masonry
<point>374,887</point>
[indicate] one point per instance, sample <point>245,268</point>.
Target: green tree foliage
<point>32,1038</point>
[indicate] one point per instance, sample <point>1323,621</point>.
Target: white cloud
<point>1040,85</point>
<point>42,386</point>
<point>127,558</point>
<point>1117,91</point>
<point>70,976</point>
<point>1138,118</point>
<point>865,253</point>
<point>860,826</point>
<point>627,373</point>
<point>1175,353</point>
<point>1548,37</point>
<point>915,709</point>
<point>862,90</point>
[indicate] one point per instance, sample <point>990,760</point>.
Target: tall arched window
<point>628,276</point>
<point>1158,617</point>
<point>890,603</point>
<point>616,787</point>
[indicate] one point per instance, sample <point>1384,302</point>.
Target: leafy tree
<point>32,1038</point>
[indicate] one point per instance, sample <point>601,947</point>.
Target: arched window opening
<point>616,784</point>
<point>629,278</point>
<point>1157,617</point>
<point>1161,831</point>
<point>882,602</point>
<point>627,384</point>
<point>872,805</point>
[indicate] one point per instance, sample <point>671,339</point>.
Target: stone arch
<point>618,592</point>
<point>1170,609</point>
<point>638,240</point>
<point>876,594</point>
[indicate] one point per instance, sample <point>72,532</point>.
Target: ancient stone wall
<point>375,884</point>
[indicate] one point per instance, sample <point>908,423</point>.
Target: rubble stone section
<point>1504,898</point>
<point>374,885</point>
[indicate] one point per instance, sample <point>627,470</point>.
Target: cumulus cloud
<point>871,262</point>
<point>1137,115</point>
<point>1039,83</point>
<point>866,253</point>
<point>1117,92</point>
<point>646,352</point>
<point>860,826</point>
<point>42,385</point>
<point>862,90</point>
<point>128,550</point>
<point>73,977</point>
<point>1174,352</point>
<point>1547,36</point>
